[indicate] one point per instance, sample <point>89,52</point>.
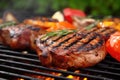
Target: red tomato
<point>69,13</point>
<point>113,46</point>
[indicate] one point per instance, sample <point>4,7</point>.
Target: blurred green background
<point>48,7</point>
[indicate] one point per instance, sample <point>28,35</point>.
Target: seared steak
<point>18,36</point>
<point>80,49</point>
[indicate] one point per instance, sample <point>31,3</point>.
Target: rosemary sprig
<point>92,25</point>
<point>10,23</point>
<point>57,33</point>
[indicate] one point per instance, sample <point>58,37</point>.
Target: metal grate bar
<point>16,75</point>
<point>14,61</point>
<point>20,58</point>
<point>18,53</point>
<point>49,69</point>
<point>101,65</point>
<point>99,71</point>
<point>4,47</point>
<point>111,62</point>
<point>33,72</point>
<point>3,79</point>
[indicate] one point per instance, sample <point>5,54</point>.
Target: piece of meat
<point>19,36</point>
<point>81,49</point>
<point>22,36</point>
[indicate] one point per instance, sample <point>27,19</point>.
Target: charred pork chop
<point>79,49</point>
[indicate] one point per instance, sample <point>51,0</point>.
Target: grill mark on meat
<point>82,42</point>
<point>98,44</point>
<point>75,39</point>
<point>95,43</point>
<point>100,30</point>
<point>46,43</point>
<point>72,40</point>
<point>62,40</point>
<point>74,48</point>
<point>53,39</point>
<point>91,30</point>
<point>75,42</point>
<point>108,31</point>
<point>86,43</point>
<point>84,30</point>
<point>65,42</point>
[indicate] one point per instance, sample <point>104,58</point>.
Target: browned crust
<point>75,60</point>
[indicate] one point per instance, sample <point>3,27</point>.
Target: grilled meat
<point>18,36</point>
<point>80,49</point>
<point>22,36</point>
<point>74,50</point>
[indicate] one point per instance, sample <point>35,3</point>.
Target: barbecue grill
<point>17,65</point>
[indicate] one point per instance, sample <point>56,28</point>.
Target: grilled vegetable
<point>110,22</point>
<point>50,25</point>
<point>60,26</point>
<point>113,46</point>
<point>69,13</point>
<point>58,15</point>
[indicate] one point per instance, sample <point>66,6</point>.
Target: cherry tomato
<point>113,46</point>
<point>69,13</point>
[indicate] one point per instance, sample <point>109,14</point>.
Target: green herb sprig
<point>10,23</point>
<point>58,33</point>
<point>92,25</point>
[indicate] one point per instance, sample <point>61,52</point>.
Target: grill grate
<point>15,64</point>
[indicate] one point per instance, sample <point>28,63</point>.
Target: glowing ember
<point>20,79</point>
<point>85,79</point>
<point>55,74</point>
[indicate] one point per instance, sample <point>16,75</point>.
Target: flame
<point>20,79</point>
<point>56,74</point>
<point>85,79</point>
<point>70,76</point>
